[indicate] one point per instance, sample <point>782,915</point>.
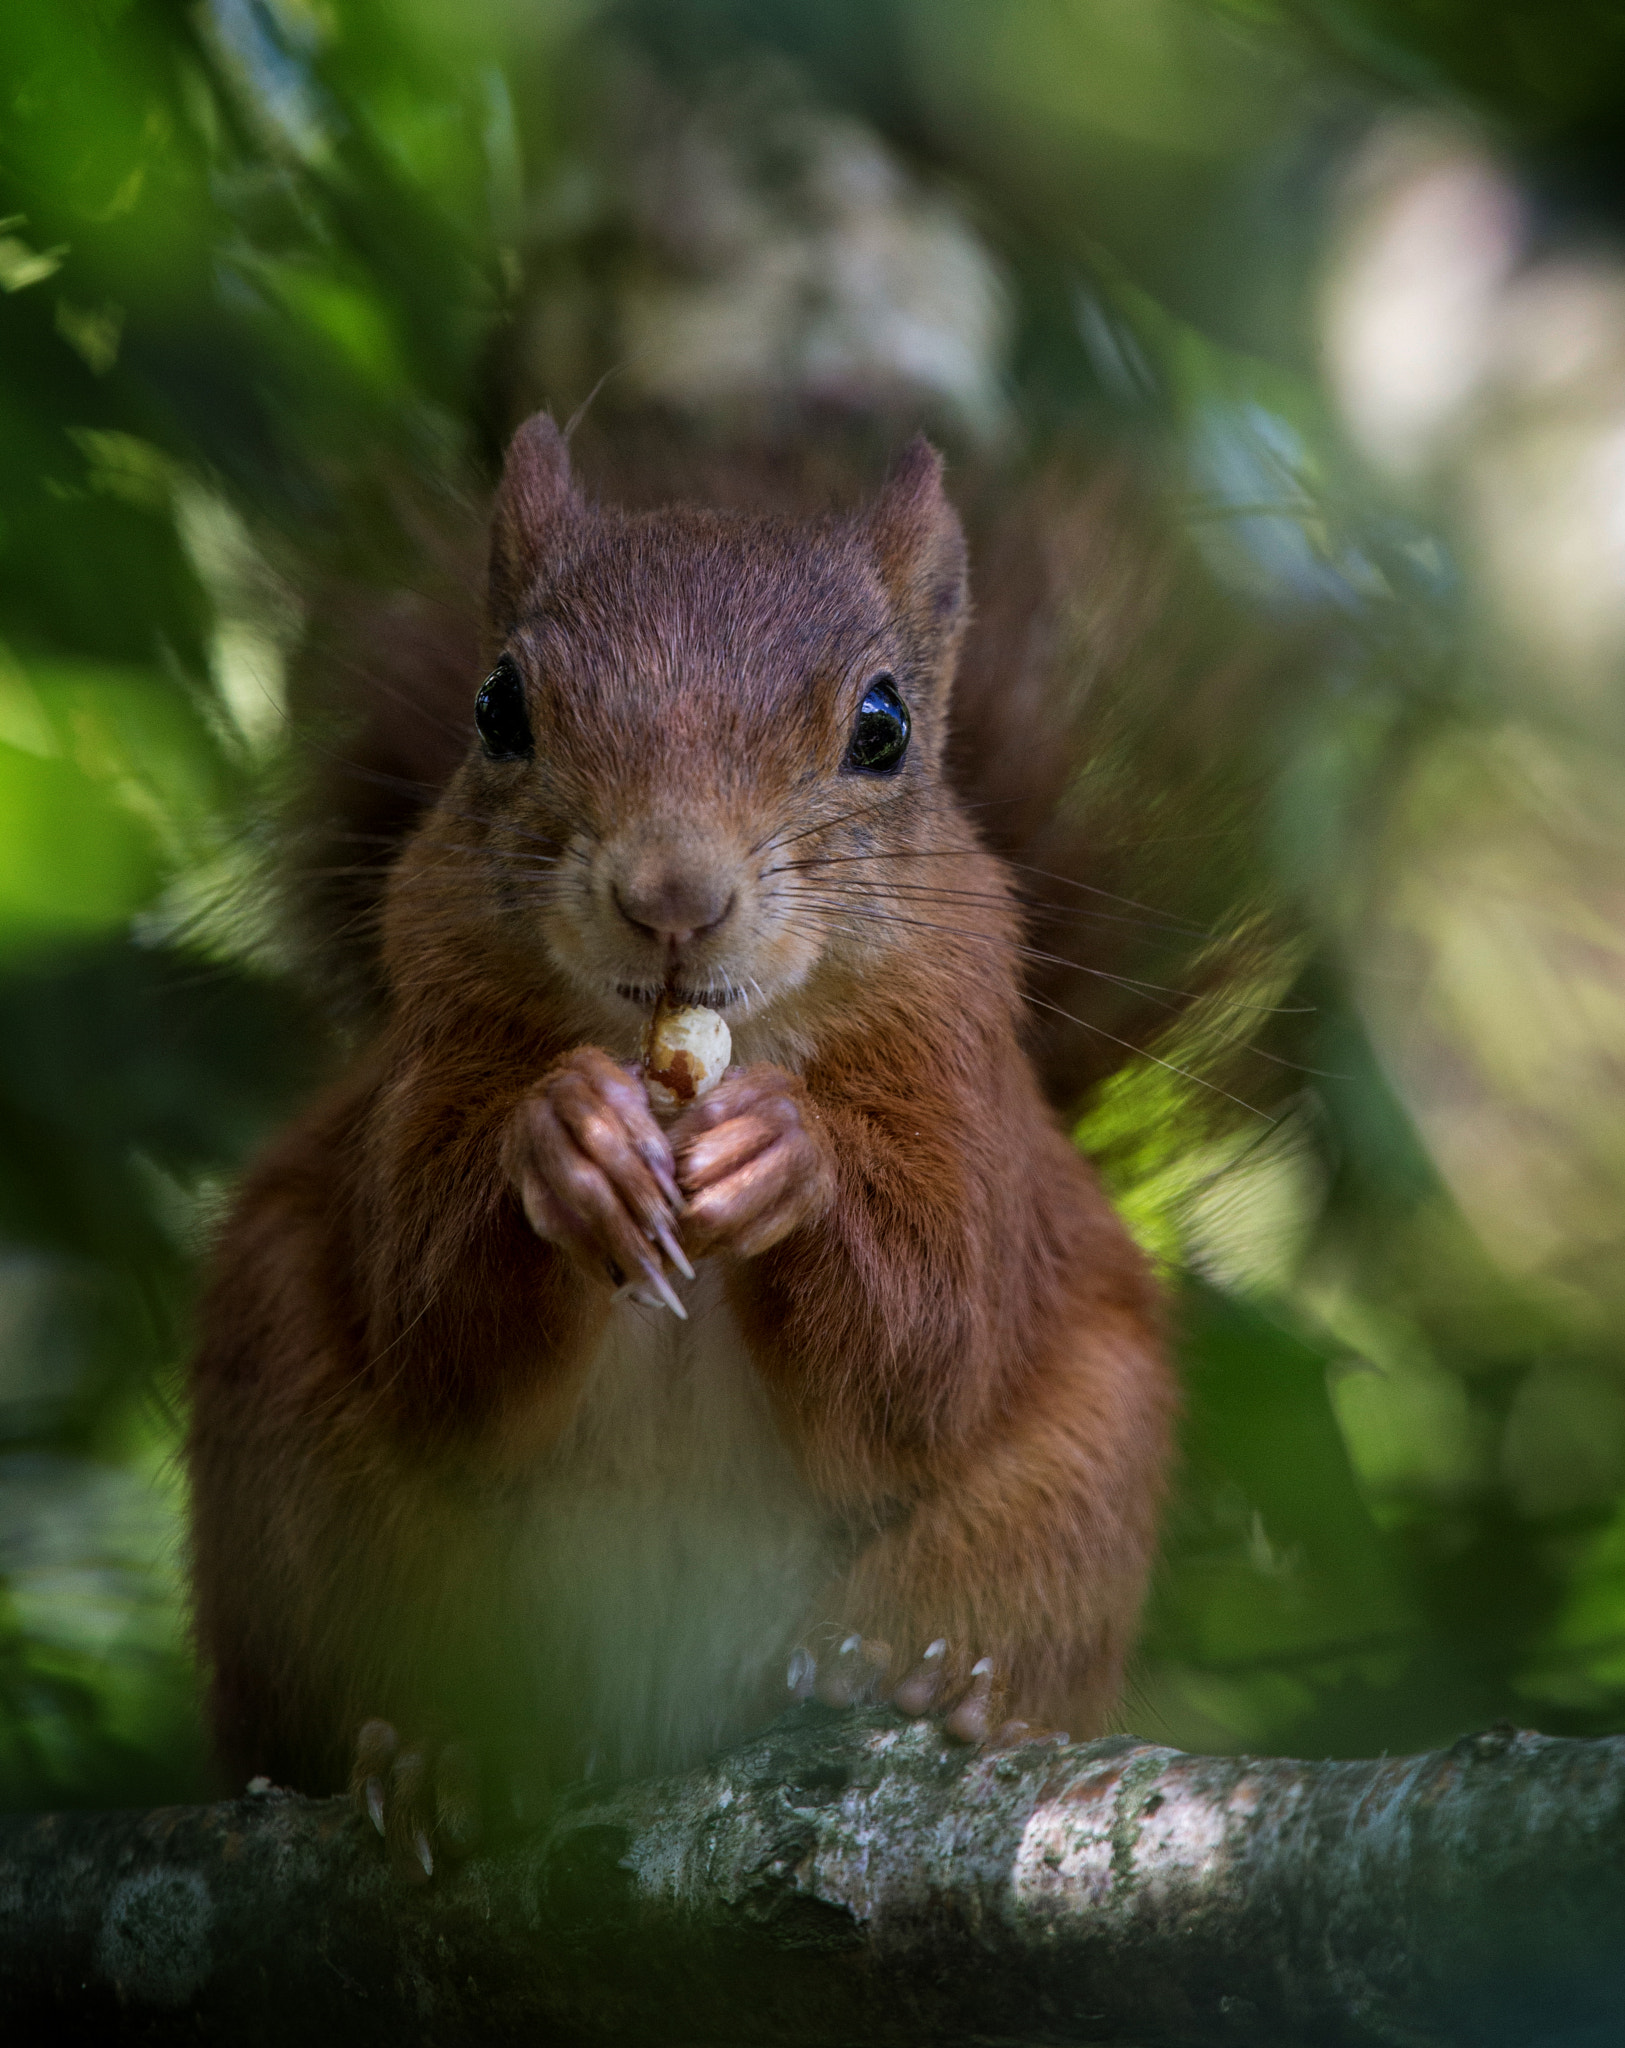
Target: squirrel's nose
<point>673,904</point>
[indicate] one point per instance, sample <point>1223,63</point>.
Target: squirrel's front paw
<point>594,1172</point>
<point>753,1162</point>
<point>422,1797</point>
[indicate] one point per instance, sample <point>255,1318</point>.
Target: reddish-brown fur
<point>957,1341</point>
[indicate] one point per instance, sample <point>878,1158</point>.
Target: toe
<point>408,1817</point>
<point>977,1714</point>
<point>922,1688</point>
<point>375,1746</point>
<point>854,1674</point>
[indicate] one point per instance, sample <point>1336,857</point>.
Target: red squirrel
<point>466,1509</point>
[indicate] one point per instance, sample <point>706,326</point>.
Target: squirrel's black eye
<point>500,716</point>
<point>880,731</point>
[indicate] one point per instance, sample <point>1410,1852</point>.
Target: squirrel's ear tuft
<point>536,495</point>
<point>919,542</point>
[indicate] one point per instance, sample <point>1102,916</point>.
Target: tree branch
<point>849,1879</point>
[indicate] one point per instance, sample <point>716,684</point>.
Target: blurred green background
<point>1336,280</point>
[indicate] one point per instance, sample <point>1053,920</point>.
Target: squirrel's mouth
<point>647,994</point>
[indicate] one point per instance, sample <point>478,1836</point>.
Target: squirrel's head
<point>709,748</point>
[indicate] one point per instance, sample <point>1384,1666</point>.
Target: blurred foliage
<point>262,259</point>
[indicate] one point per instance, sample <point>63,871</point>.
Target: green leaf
<point>73,858</point>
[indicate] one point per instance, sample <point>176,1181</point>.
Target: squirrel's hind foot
<point>970,1700</point>
<point>422,1797</point>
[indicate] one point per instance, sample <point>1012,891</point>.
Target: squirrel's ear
<point>919,542</point>
<point>535,495</point>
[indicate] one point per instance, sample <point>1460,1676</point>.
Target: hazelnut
<point>685,1054</point>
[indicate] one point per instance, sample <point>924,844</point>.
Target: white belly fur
<point>669,1547</point>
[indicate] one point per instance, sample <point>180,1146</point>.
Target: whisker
<point>1127,981</point>
<point>1110,896</point>
<point>1035,905</point>
<point>1098,1030</point>
<point>1156,1059</point>
<point>1160,917</point>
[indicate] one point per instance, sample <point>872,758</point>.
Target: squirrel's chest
<point>669,1545</point>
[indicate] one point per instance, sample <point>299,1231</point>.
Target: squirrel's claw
<point>666,1238</point>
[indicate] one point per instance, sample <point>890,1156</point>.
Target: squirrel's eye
<point>880,731</point>
<point>500,716</point>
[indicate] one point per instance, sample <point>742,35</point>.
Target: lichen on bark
<point>856,1878</point>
